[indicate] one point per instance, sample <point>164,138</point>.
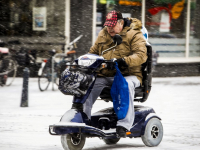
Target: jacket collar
<point>127,22</point>
<point>124,30</point>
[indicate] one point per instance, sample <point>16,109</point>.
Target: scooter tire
<point>153,133</point>
<point>70,143</point>
<point>111,141</point>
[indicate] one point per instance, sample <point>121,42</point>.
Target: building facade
<point>51,24</point>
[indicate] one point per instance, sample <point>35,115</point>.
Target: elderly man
<point>129,55</point>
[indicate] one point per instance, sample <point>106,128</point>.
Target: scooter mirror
<point>117,39</point>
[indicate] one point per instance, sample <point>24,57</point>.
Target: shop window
<point>15,18</point>
<point>194,45</point>
<point>165,21</point>
<point>32,18</point>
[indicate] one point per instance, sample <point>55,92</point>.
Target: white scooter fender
<point>148,117</point>
<point>41,68</point>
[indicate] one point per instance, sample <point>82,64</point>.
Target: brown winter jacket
<point>132,49</point>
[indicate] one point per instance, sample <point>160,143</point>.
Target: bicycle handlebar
<point>59,54</point>
<point>75,40</point>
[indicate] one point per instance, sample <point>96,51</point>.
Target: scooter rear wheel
<point>111,141</point>
<point>74,141</point>
<point>153,133</point>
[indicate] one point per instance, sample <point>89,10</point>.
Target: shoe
<point>121,131</point>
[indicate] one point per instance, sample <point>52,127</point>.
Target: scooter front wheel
<point>74,141</point>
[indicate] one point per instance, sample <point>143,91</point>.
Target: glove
<point>111,65</point>
<point>122,65</point>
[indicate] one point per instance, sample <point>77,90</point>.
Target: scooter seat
<point>105,94</point>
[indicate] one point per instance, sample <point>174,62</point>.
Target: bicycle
<point>51,68</point>
<point>11,61</point>
<point>8,67</point>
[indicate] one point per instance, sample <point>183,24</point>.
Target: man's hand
<point>121,63</point>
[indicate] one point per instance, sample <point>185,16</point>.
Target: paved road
<point>175,100</point>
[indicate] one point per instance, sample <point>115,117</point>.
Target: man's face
<point>115,30</point>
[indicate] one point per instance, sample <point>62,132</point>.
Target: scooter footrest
<point>68,124</point>
<point>72,127</point>
<point>65,128</point>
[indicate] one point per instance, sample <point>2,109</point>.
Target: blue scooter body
<point>102,123</point>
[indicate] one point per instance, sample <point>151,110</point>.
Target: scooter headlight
<point>88,59</point>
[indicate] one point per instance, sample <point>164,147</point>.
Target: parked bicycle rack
<point>53,58</point>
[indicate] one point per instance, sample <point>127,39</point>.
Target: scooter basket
<point>74,82</point>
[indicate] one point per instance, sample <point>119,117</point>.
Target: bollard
<point>24,98</point>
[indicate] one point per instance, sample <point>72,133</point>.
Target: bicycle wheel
<point>61,66</point>
<point>10,67</point>
<point>57,81</point>
<point>45,79</point>
<point>56,74</point>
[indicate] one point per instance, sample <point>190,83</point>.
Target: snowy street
<point>176,100</point>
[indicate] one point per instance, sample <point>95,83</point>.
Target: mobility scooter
<point>74,126</point>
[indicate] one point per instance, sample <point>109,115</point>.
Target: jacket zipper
<point>112,53</point>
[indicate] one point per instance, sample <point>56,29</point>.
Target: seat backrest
<point>142,92</point>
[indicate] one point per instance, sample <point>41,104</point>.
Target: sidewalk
<point>175,100</point>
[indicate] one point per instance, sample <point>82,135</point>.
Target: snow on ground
<point>175,100</point>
